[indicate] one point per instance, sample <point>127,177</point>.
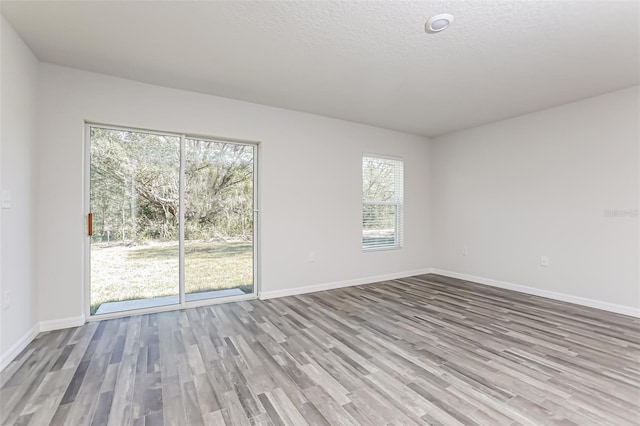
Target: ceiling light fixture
<point>438,23</point>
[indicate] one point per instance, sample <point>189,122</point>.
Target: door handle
<point>90,224</point>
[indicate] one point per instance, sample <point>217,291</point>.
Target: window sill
<point>365,250</point>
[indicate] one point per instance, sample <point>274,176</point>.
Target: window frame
<point>398,202</point>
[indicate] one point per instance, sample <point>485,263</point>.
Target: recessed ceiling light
<point>438,23</point>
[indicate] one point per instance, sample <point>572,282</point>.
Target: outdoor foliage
<point>135,182</point>
<point>219,190</point>
<point>378,179</point>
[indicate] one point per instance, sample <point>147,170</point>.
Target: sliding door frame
<point>86,288</point>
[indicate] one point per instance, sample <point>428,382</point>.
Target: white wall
<point>539,184</point>
<point>19,76</point>
<point>310,179</point>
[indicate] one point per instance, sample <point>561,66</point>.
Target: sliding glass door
<point>218,232</point>
<point>171,220</point>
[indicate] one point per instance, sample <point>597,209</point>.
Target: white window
<point>382,202</point>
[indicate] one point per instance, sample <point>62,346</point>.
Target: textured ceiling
<point>369,62</point>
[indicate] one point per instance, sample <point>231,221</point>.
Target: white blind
<point>382,202</point>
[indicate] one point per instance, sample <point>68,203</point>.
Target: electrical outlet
<point>312,257</point>
<point>465,251</point>
<point>544,261</point>
<point>6,299</point>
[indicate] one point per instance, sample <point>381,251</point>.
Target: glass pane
<point>378,225</point>
<point>134,200</point>
<point>378,179</point>
<point>218,219</point>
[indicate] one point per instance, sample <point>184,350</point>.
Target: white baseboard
<point>38,328</point>
<point>62,323</point>
<point>339,284</point>
<point>19,346</point>
<point>563,297</point>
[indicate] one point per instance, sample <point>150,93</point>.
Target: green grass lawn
<point>151,270</point>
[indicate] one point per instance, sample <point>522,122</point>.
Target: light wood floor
<point>420,350</point>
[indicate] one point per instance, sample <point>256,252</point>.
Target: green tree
<point>135,183</point>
